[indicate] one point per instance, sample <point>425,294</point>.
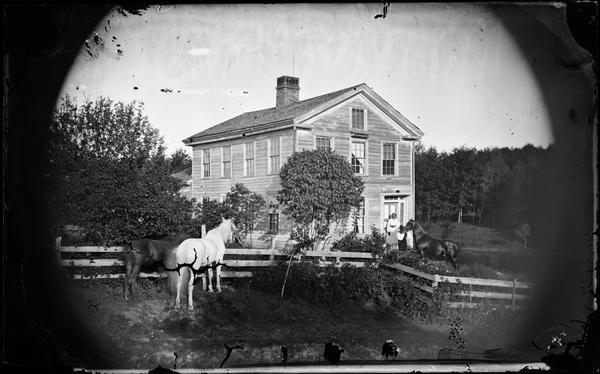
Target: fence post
<point>513,294</point>
<point>203,231</point>
<point>470,293</point>
<point>272,255</point>
<point>57,242</point>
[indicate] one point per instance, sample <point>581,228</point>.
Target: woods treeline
<point>508,188</point>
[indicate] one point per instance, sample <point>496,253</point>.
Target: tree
<point>244,206</point>
<point>319,189</point>
<point>523,232</point>
<point>180,160</point>
<point>462,178</point>
<point>110,175</point>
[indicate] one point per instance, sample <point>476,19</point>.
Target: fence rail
<point>502,290</point>
<point>330,257</point>
<point>496,289</point>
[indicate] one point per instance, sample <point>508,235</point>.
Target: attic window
<point>358,119</point>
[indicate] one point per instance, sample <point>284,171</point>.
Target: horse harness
<point>201,269</point>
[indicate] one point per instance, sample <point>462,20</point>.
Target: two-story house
<point>354,122</point>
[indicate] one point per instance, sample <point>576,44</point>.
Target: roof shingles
<point>250,120</point>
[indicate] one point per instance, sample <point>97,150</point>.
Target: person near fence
<point>393,231</point>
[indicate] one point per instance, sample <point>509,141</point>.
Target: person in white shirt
<point>394,233</point>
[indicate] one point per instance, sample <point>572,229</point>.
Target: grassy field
<point>486,253</point>
<point>474,236</point>
<point>149,332</point>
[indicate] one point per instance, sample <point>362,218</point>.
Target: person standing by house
<point>393,230</point>
<point>409,239</point>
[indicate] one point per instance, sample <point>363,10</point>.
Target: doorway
<point>393,204</point>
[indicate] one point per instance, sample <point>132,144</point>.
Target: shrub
<point>346,284</point>
<point>374,242</point>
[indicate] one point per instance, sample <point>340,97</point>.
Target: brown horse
<point>148,252</point>
<point>433,247</point>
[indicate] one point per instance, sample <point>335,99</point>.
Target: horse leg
<point>218,273</point>
<point>209,276</point>
<point>191,290</point>
<point>178,294</point>
<point>134,279</point>
<point>128,269</point>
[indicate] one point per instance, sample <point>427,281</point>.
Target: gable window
<point>274,155</point>
<point>273,222</point>
<point>359,218</point>
<point>227,161</point>
<point>323,142</point>
<point>358,119</point>
<point>249,162</point>
<point>389,159</point>
<point>206,163</point>
<point>358,157</point>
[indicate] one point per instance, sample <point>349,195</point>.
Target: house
<point>355,122</point>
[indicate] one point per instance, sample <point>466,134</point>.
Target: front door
<point>393,204</point>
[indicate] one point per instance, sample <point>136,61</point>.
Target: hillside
<point>476,237</point>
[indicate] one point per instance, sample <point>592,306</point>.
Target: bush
<point>374,242</point>
<point>346,284</point>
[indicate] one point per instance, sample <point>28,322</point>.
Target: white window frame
<point>365,116</point>
<point>223,162</point>
<point>203,153</point>
<point>365,159</point>
<point>364,218</point>
<point>331,141</point>
<point>269,155</point>
<point>278,222</point>
<point>252,172</point>
<point>396,157</point>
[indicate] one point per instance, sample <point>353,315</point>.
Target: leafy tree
<point>430,202</point>
<point>462,178</point>
<point>211,213</point>
<point>179,161</point>
<point>110,174</point>
<point>523,232</point>
<point>319,189</point>
<point>244,205</point>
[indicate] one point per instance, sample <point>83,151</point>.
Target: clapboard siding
<point>262,182</point>
<point>335,124</point>
<point>304,140</point>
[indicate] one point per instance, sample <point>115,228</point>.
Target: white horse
<point>200,254</point>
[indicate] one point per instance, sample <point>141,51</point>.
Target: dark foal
<point>148,252</point>
<point>433,247</point>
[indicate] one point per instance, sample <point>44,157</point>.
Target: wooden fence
<point>251,258</point>
<point>241,261</point>
<point>470,288</point>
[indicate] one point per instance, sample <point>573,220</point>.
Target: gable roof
<point>293,114</point>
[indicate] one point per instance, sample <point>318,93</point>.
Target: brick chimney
<point>287,91</point>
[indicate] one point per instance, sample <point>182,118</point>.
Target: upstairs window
<point>227,162</point>
<point>323,143</point>
<point>358,119</point>
<point>389,159</point>
<point>249,162</point>
<point>358,157</point>
<point>274,155</point>
<point>206,163</point>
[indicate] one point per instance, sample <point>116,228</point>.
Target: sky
<point>452,70</point>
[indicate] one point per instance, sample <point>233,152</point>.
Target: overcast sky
<point>452,70</point>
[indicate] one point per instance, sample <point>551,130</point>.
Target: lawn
<point>149,332</point>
